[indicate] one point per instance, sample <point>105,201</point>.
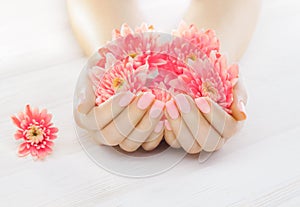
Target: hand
<point>125,119</point>
<point>201,124</point>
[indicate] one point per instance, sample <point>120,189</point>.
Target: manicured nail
<point>242,109</point>
<point>172,109</point>
<point>145,100</point>
<point>159,127</point>
<point>156,109</point>
<point>203,105</point>
<point>183,103</point>
<point>167,125</point>
<point>126,99</point>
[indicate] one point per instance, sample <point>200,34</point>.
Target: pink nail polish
<point>172,109</point>
<point>159,127</point>
<point>126,99</point>
<point>156,109</point>
<point>183,103</point>
<point>145,100</point>
<point>168,126</point>
<point>203,105</point>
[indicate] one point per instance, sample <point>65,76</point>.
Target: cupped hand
<point>126,119</point>
<point>201,124</point>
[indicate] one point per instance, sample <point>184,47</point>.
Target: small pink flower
<point>37,132</point>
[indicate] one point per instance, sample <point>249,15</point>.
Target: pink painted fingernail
<point>183,103</point>
<point>145,100</point>
<point>167,125</point>
<point>126,99</point>
<point>156,109</point>
<point>172,109</point>
<point>242,108</point>
<point>203,105</point>
<point>159,127</point>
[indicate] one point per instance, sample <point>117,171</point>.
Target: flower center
<point>133,55</point>
<point>117,82</point>
<point>209,90</point>
<point>34,134</point>
<point>192,56</point>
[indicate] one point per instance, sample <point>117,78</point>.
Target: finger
<point>155,137</point>
<point>240,99</point>
<point>144,128</point>
<point>100,116</point>
<point>207,137</point>
<point>107,111</point>
<point>170,136</point>
<point>125,122</point>
<point>85,121</point>
<point>180,129</point>
<point>148,146</point>
<point>101,138</point>
<point>157,131</point>
<point>85,94</point>
<point>220,144</point>
<point>221,121</point>
<point>85,101</point>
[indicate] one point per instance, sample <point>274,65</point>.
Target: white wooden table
<point>39,64</point>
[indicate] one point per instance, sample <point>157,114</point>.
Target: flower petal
<point>23,150</point>
<point>19,134</point>
<point>16,121</point>
<point>28,111</point>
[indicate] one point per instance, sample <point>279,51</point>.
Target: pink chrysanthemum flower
<point>129,43</point>
<point>206,41</point>
<point>121,77</point>
<point>37,132</point>
<point>212,78</point>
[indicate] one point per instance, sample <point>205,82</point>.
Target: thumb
<point>84,94</point>
<point>240,99</point>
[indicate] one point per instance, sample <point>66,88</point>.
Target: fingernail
<point>145,100</point>
<point>242,108</point>
<point>167,124</point>
<point>183,103</point>
<point>156,109</point>
<point>172,109</point>
<point>126,99</point>
<point>203,105</point>
<point>159,127</point>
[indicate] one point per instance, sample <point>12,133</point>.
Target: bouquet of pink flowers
<point>190,62</point>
